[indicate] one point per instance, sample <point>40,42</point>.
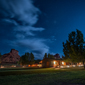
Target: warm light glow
<point>74,65</point>
<point>33,65</point>
<point>54,62</point>
<point>58,66</point>
<point>61,66</point>
<point>2,66</point>
<point>13,66</point>
<point>79,65</point>
<point>82,65</point>
<point>63,63</point>
<point>40,65</point>
<point>28,65</point>
<point>40,62</point>
<point>68,66</point>
<point>23,66</point>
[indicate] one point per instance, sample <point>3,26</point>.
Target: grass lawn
<point>43,76</point>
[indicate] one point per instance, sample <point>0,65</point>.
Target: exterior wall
<point>11,57</point>
<point>51,63</point>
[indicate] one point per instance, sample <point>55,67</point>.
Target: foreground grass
<point>20,71</point>
<point>49,76</point>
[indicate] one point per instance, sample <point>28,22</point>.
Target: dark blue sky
<point>39,26</point>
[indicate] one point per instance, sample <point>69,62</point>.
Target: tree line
<point>27,58</point>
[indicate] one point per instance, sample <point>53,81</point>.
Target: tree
<point>37,61</point>
<point>27,58</point>
<point>74,49</point>
<point>24,59</point>
<point>50,56</point>
<point>45,56</point>
<point>31,58</point>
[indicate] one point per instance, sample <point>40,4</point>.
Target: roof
<point>57,56</point>
<point>53,59</point>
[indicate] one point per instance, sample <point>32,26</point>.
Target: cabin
<point>10,58</point>
<point>53,62</point>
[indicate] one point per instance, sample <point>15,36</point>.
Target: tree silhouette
<point>74,49</point>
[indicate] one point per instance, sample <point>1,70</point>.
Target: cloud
<point>22,11</point>
<point>17,18</point>
<point>37,46</point>
<point>10,21</point>
<point>27,30</point>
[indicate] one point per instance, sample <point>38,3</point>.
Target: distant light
<point>40,65</point>
<point>2,66</point>
<point>61,66</point>
<point>79,65</point>
<point>28,65</point>
<point>57,66</point>
<point>14,65</point>
<point>82,65</point>
<point>68,66</point>
<point>54,62</point>
<point>23,66</point>
<point>74,65</point>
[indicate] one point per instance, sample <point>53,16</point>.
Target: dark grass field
<point>42,76</point>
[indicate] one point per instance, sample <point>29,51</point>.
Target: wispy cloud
<point>21,16</point>
<point>36,45</point>
<point>27,30</point>
<point>22,11</point>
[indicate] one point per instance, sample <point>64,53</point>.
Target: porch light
<point>54,62</point>
<point>63,63</point>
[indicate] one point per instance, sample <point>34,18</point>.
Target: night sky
<point>39,26</point>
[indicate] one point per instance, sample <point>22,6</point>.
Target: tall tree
<point>32,58</point>
<point>27,58</point>
<point>24,59</point>
<point>74,49</point>
<point>45,56</point>
<point>49,55</point>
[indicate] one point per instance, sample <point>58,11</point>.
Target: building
<point>10,58</point>
<point>53,62</point>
